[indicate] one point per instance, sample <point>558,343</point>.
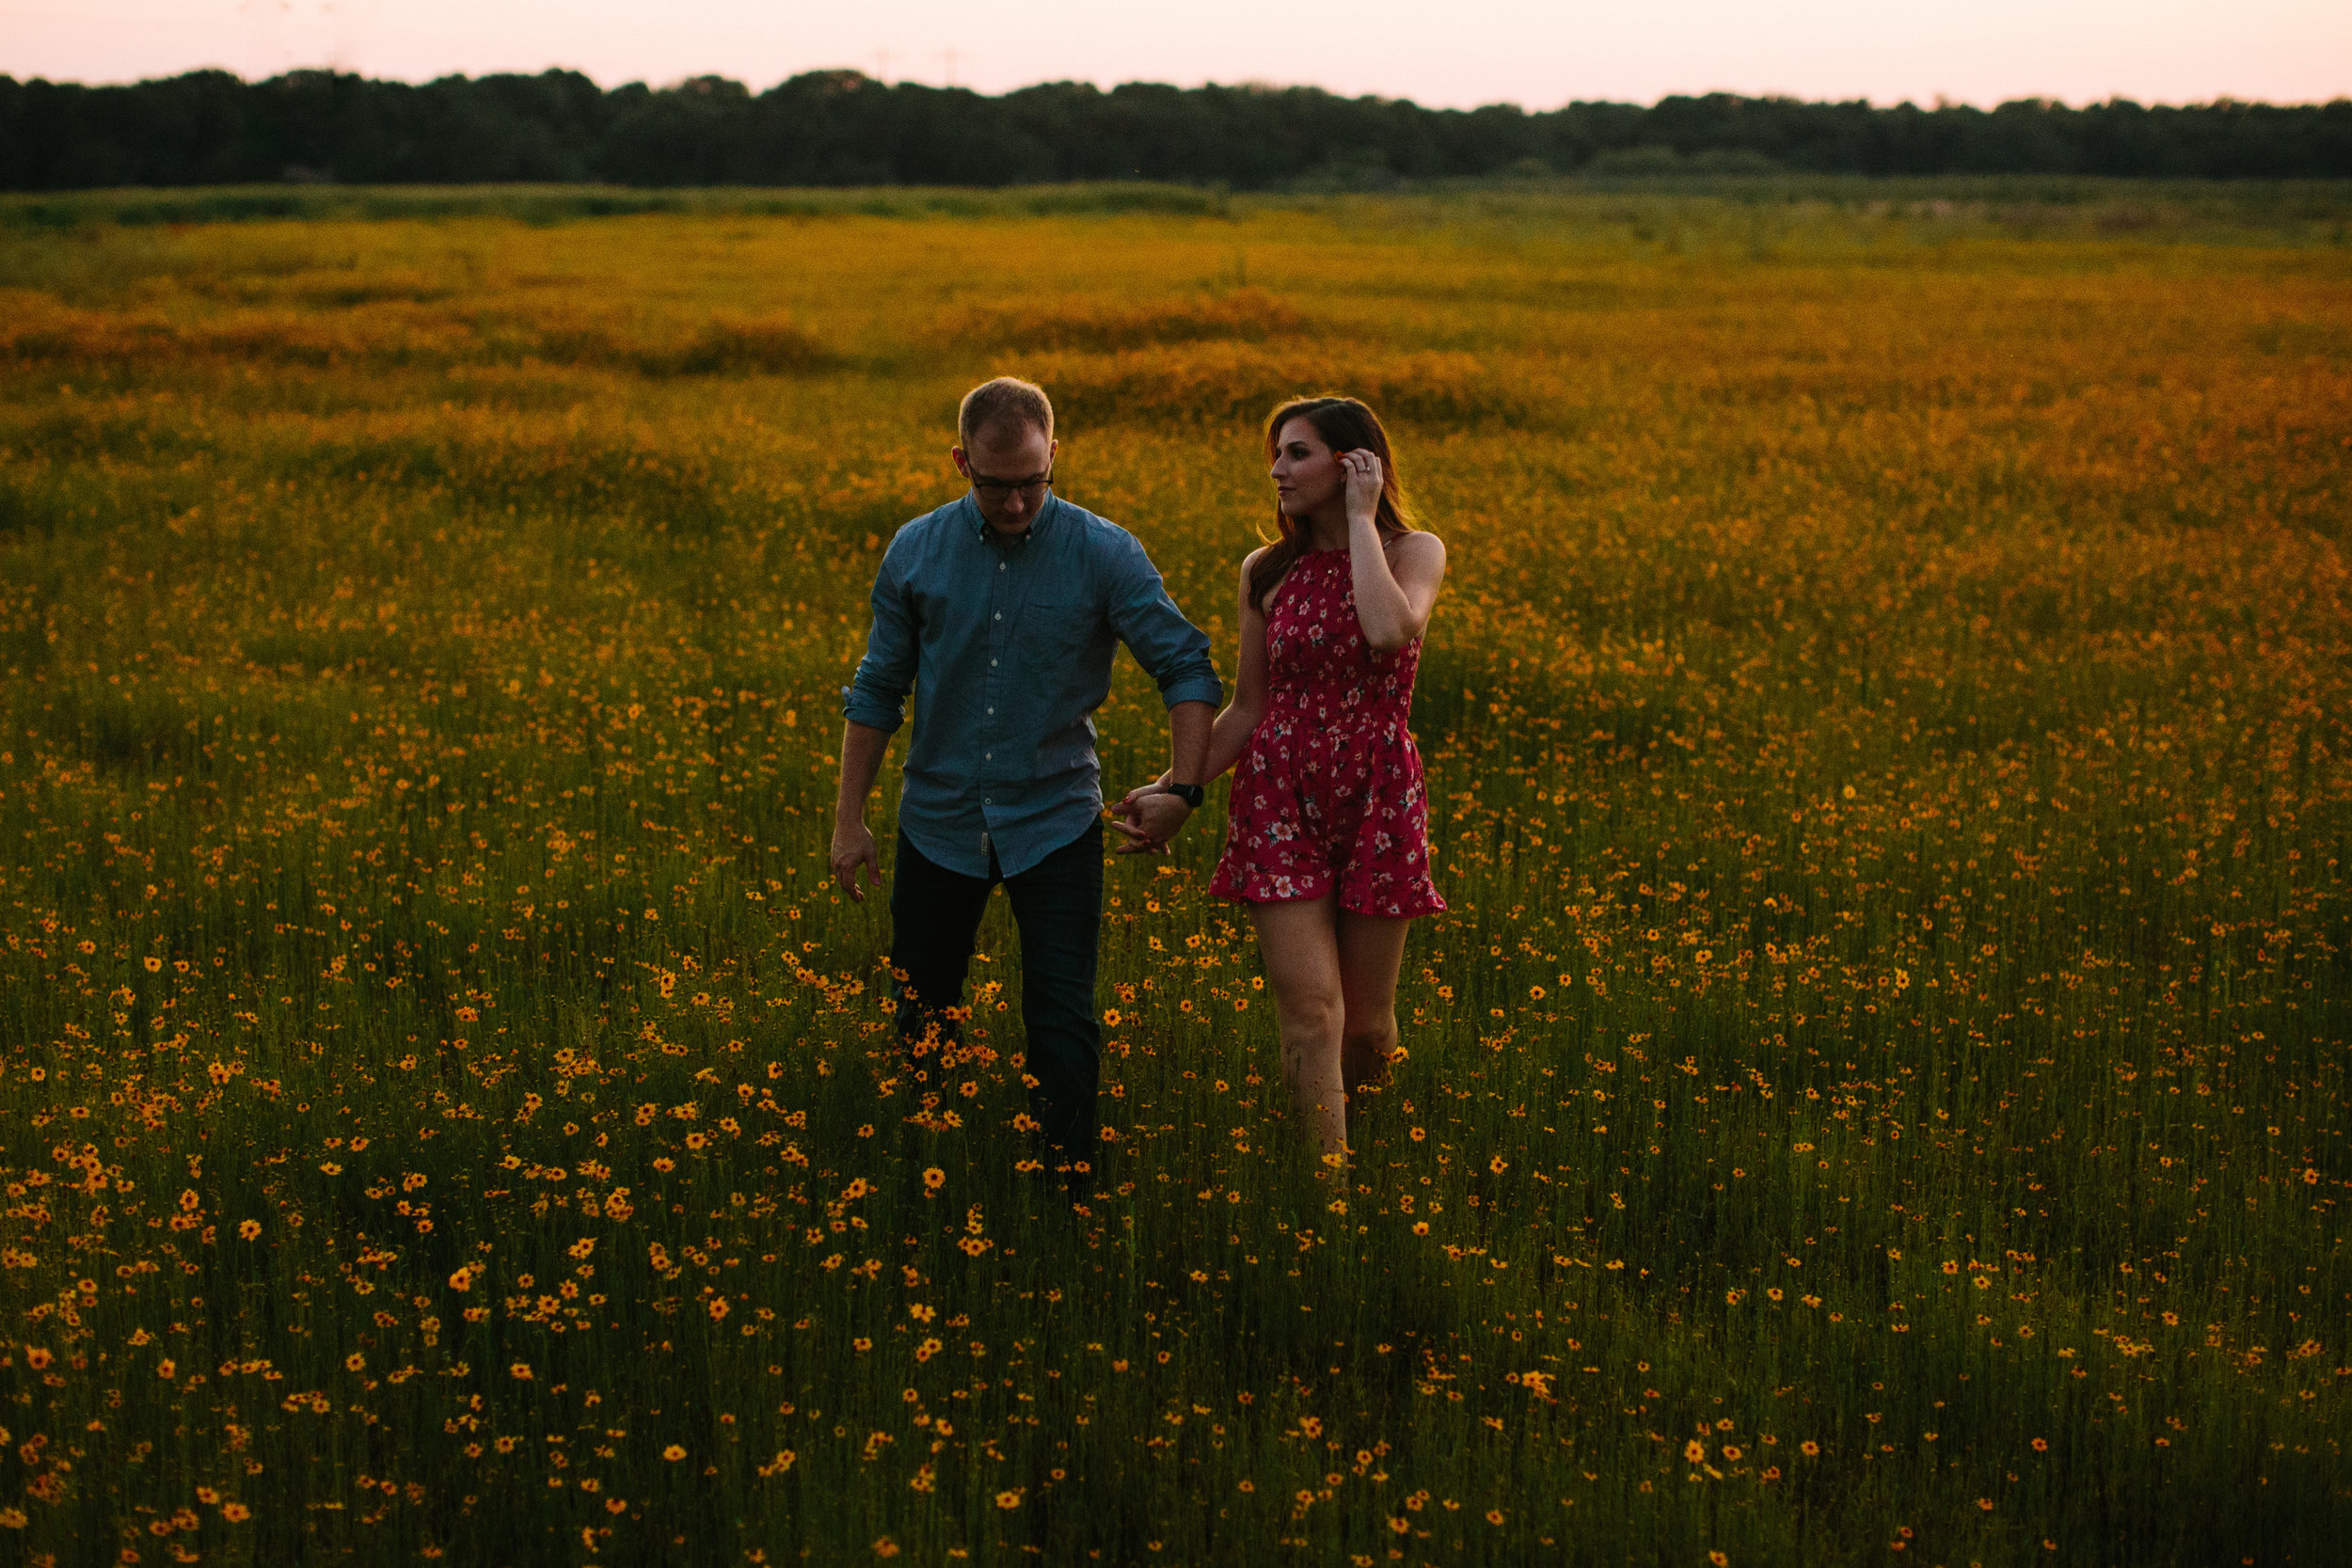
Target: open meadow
<point>1880,1086</point>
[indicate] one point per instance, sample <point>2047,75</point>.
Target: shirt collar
<point>1038,525</point>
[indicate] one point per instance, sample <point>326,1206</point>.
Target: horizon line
<point>1939,103</point>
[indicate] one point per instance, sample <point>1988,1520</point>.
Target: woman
<point>1328,836</point>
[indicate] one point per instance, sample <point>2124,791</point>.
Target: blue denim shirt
<point>1008,644</point>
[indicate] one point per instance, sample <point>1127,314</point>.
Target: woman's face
<point>1306,472</point>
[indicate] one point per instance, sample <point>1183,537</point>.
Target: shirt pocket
<point>1060,627</point>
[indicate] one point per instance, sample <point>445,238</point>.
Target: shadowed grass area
<point>552,204</point>
<point>1880,1083</point>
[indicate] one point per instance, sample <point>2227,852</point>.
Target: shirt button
<point>991,664</point>
<point>988,756</point>
<point>999,616</point>
<point>988,800</point>
<point>991,710</point>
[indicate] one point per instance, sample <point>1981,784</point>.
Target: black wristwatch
<point>1191,795</point>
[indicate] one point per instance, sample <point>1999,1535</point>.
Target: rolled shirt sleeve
<point>877,693</point>
<point>1172,651</point>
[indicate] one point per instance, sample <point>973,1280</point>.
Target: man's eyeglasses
<point>1004,489</point>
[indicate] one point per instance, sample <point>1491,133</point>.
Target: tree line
<point>843,128</point>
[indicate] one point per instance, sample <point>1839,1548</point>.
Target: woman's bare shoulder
<point>1253,604</point>
<point>1420,545</point>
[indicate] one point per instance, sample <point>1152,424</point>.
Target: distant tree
<point>841,127</point>
<point>689,135</point>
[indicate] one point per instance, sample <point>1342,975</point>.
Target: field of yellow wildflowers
<point>1880,1087</point>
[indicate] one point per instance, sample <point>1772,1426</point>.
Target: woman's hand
<point>1362,471</point>
<point>1128,800</point>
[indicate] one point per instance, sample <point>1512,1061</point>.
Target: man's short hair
<point>1003,406</point>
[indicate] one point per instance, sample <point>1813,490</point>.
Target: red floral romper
<point>1330,794</point>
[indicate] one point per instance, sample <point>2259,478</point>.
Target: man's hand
<point>1150,818</point>
<point>854,846</point>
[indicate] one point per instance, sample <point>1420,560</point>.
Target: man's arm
<point>1175,654</point>
<point>1172,651</point>
<point>863,748</point>
<point>1229,737</point>
<point>874,703</point>
<point>1188,726</point>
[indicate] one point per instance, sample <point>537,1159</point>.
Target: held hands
<point>1361,475</point>
<point>854,846</point>
<point>1141,791</point>
<point>1149,817</point>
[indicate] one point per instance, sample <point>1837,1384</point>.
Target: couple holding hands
<point>1001,611</point>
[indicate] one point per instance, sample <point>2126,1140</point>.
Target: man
<point>1001,610</point>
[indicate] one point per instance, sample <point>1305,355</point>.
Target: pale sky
<point>1457,53</point>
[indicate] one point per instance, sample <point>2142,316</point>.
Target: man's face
<point>1008,467</point>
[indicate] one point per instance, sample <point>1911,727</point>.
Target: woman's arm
<point>1395,584</point>
<point>1230,737</point>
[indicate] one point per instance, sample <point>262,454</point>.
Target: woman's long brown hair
<point>1345,425</point>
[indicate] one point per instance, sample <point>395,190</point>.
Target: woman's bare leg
<point>1299,943</point>
<point>1370,951</point>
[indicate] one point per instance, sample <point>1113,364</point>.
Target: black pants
<point>1057,905</point>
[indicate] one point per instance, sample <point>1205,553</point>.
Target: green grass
<point>1887,733</point>
<point>1724,206</point>
<point>547,204</point>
